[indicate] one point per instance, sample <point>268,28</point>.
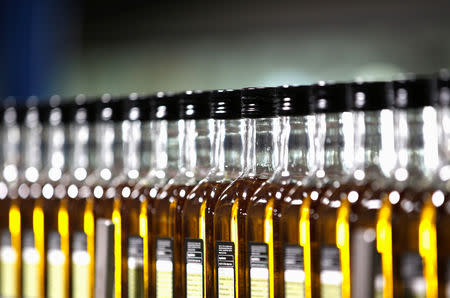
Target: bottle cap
<point>75,110</point>
<point>371,96</point>
<point>330,97</point>
<point>106,109</point>
<point>128,108</point>
<point>29,112</point>
<point>164,106</point>
<point>9,111</point>
<point>259,102</point>
<point>50,111</point>
<point>225,104</point>
<point>293,100</point>
<point>194,105</point>
<point>414,92</point>
<point>443,85</point>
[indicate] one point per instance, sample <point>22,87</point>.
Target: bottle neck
<point>55,142</point>
<point>262,146</point>
<point>335,143</point>
<point>79,154</point>
<point>194,139</point>
<point>105,135</point>
<point>296,147</point>
<point>131,141</point>
<point>374,150</point>
<point>227,161</point>
<point>32,152</point>
<point>146,147</point>
<point>11,151</point>
<point>163,156</point>
<point>417,144</point>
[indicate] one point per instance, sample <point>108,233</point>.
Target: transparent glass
<point>409,204</point>
<point>261,158</point>
<point>198,210</point>
<point>265,209</point>
<point>10,223</point>
<point>193,162</point>
<point>311,209</point>
<point>80,208</point>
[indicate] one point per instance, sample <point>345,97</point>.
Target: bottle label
<point>366,263</point>
<point>30,263</point>
<point>411,272</point>
<point>55,266</point>
<point>330,272</point>
<point>259,269</point>
<point>135,267</point>
<point>194,267</point>
<point>164,267</point>
<point>80,266</point>
<point>8,267</point>
<point>225,269</point>
<point>294,272</point>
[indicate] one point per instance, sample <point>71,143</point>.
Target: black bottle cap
<point>106,109</point>
<point>164,106</point>
<point>194,105</point>
<point>10,111</point>
<point>443,85</point>
<point>258,102</point>
<point>225,104</point>
<point>50,111</point>
<point>28,112</point>
<point>145,107</point>
<point>75,110</point>
<point>330,97</point>
<point>128,107</point>
<point>414,92</point>
<point>293,100</point>
<point>371,96</point>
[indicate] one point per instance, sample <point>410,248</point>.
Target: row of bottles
<point>328,190</point>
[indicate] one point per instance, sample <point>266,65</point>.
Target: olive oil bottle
<point>163,166</point>
<point>249,260</point>
<point>361,196</point>
<point>80,115</point>
<point>193,165</point>
<point>107,164</point>
<point>265,209</point>
<point>198,210</point>
<point>10,223</point>
<point>406,225</point>
<point>310,202</point>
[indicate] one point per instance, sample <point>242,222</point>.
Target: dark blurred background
<point>96,46</point>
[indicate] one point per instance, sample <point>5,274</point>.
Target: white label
<point>164,267</point>
<point>330,272</point>
<point>259,270</point>
<point>294,274</point>
<point>194,268</point>
<point>225,269</point>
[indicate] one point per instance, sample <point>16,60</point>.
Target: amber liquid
<point>197,223</point>
<point>81,216</point>
<point>264,225</point>
<point>443,248</point>
<point>298,201</point>
<point>166,223</point>
<point>11,222</point>
<point>229,225</point>
<point>405,220</point>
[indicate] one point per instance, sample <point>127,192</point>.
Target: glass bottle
<point>198,209</point>
<point>10,225</point>
<point>107,166</point>
<point>193,164</point>
<point>265,221</point>
<point>406,212</point>
<point>163,135</point>
<point>361,195</point>
<point>261,130</point>
<point>79,115</point>
<point>315,213</point>
<point>127,213</point>
<point>441,193</point>
<point>50,226</point>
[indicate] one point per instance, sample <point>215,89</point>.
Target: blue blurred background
<point>96,46</point>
